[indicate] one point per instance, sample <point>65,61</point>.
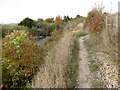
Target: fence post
<point>106,22</point>
<point>116,21</point>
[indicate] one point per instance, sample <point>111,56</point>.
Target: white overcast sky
<point>13,11</point>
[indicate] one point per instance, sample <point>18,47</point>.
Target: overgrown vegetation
<point>94,64</point>
<point>7,29</point>
<point>55,61</point>
<point>73,66</point>
<point>21,59</point>
<point>95,20</point>
<point>104,44</point>
<point>58,58</point>
<point>97,84</point>
<point>80,34</point>
<point>27,22</point>
<point>66,18</point>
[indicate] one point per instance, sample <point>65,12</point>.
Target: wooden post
<point>106,22</point>
<point>117,22</point>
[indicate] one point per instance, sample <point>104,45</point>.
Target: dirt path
<point>84,72</point>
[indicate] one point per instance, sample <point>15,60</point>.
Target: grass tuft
<point>98,84</point>
<point>73,66</point>
<point>80,34</point>
<point>93,66</point>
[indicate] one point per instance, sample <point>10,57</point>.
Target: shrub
<point>21,58</point>
<point>27,22</point>
<point>47,28</point>
<point>55,36</point>
<point>66,18</point>
<point>95,20</point>
<point>78,16</point>
<point>7,29</point>
<point>59,20</point>
<point>34,31</point>
<point>40,19</point>
<point>50,20</point>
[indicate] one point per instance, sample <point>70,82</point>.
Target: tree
<point>59,20</point>
<point>50,20</point>
<point>78,16</point>
<point>27,22</point>
<point>40,19</point>
<point>66,18</point>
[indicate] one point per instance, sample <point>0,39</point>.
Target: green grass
<point>73,66</point>
<point>80,34</point>
<point>93,66</point>
<point>97,84</point>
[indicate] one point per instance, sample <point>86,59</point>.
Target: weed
<point>53,73</point>
<point>21,59</point>
<point>73,65</point>
<point>93,67</point>
<point>97,84</point>
<point>80,34</point>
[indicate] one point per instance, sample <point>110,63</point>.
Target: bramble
<point>95,21</point>
<point>21,58</point>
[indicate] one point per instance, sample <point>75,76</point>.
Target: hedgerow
<point>95,20</point>
<point>21,59</point>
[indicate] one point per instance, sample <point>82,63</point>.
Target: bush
<point>7,29</point>
<point>59,20</point>
<point>34,31</point>
<point>50,20</point>
<point>40,19</point>
<point>55,36</point>
<point>95,20</point>
<point>66,18</point>
<point>27,22</point>
<point>46,28</point>
<point>21,58</point>
<point>50,27</point>
<point>78,16</point>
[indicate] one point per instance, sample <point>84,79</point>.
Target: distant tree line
<point>45,27</point>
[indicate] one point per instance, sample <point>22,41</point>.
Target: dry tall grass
<point>107,41</point>
<point>52,73</point>
<point>105,48</point>
<point>73,24</point>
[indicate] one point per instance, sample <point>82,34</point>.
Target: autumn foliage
<point>40,19</point>
<point>50,20</point>
<point>95,21</point>
<point>21,58</point>
<point>59,20</point>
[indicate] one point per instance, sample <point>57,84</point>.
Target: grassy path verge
<point>52,74</point>
<point>93,64</point>
<point>73,66</point>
